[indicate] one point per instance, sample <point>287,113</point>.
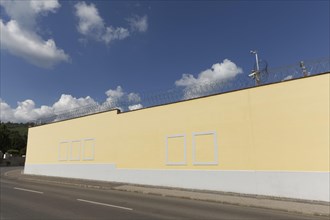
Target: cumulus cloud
<point>135,107</point>
<point>6,113</point>
<point>91,25</point>
<point>90,22</point>
<point>30,46</point>
<point>115,94</point>
<point>25,12</point>
<point>19,35</point>
<point>219,72</point>
<point>26,111</point>
<point>41,6</point>
<point>138,23</point>
<point>68,102</point>
<point>118,98</point>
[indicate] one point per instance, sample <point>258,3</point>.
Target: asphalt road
<point>45,201</point>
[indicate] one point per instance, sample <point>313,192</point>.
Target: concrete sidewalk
<point>289,205</point>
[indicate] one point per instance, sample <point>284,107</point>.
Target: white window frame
<point>93,149</point>
<point>215,161</point>
<point>67,150</point>
<point>184,162</point>
<point>71,146</point>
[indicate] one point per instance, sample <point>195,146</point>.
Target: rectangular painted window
<point>75,150</point>
<point>63,149</point>
<point>88,149</point>
<point>176,150</point>
<point>205,148</point>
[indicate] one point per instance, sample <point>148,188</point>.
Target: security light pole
<point>256,54</point>
<point>303,68</point>
<point>255,73</point>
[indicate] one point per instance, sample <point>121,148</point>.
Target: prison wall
<point>268,140</point>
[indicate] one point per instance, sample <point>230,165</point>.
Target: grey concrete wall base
<point>297,185</point>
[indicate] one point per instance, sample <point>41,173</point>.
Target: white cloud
<point>114,34</point>
<point>287,78</point>
<point>92,25</point>
<point>30,46</point>
<point>44,6</point>
<point>6,113</point>
<point>90,22</point>
<point>26,111</point>
<point>115,94</point>
<point>119,94</point>
<point>118,98</point>
<point>19,35</point>
<point>219,72</point>
<point>25,12</point>
<point>135,107</point>
<point>138,23</point>
<point>134,97</point>
<point>68,102</point>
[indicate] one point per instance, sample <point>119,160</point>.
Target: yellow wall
<point>283,126</point>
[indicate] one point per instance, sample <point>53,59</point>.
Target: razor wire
<point>177,94</point>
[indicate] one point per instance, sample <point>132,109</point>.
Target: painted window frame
<point>71,147</point>
<point>67,150</point>
<point>215,144</point>
<point>93,149</point>
<point>181,163</point>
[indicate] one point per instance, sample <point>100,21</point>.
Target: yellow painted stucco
<point>283,126</point>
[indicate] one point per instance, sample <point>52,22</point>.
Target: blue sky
<point>57,55</point>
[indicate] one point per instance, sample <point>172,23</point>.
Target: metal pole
<point>303,68</point>
<point>257,62</point>
<point>255,74</point>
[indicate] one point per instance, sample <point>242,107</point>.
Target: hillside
<point>13,137</point>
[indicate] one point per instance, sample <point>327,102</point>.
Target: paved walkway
<point>290,205</point>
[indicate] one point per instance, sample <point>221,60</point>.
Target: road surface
<point>22,199</point>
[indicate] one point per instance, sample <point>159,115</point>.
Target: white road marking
<point>104,204</point>
<point>28,190</point>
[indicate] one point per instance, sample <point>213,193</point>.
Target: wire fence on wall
<point>241,81</point>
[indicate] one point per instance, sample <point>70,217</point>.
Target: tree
<point>5,141</point>
<point>13,136</point>
<point>16,140</point>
